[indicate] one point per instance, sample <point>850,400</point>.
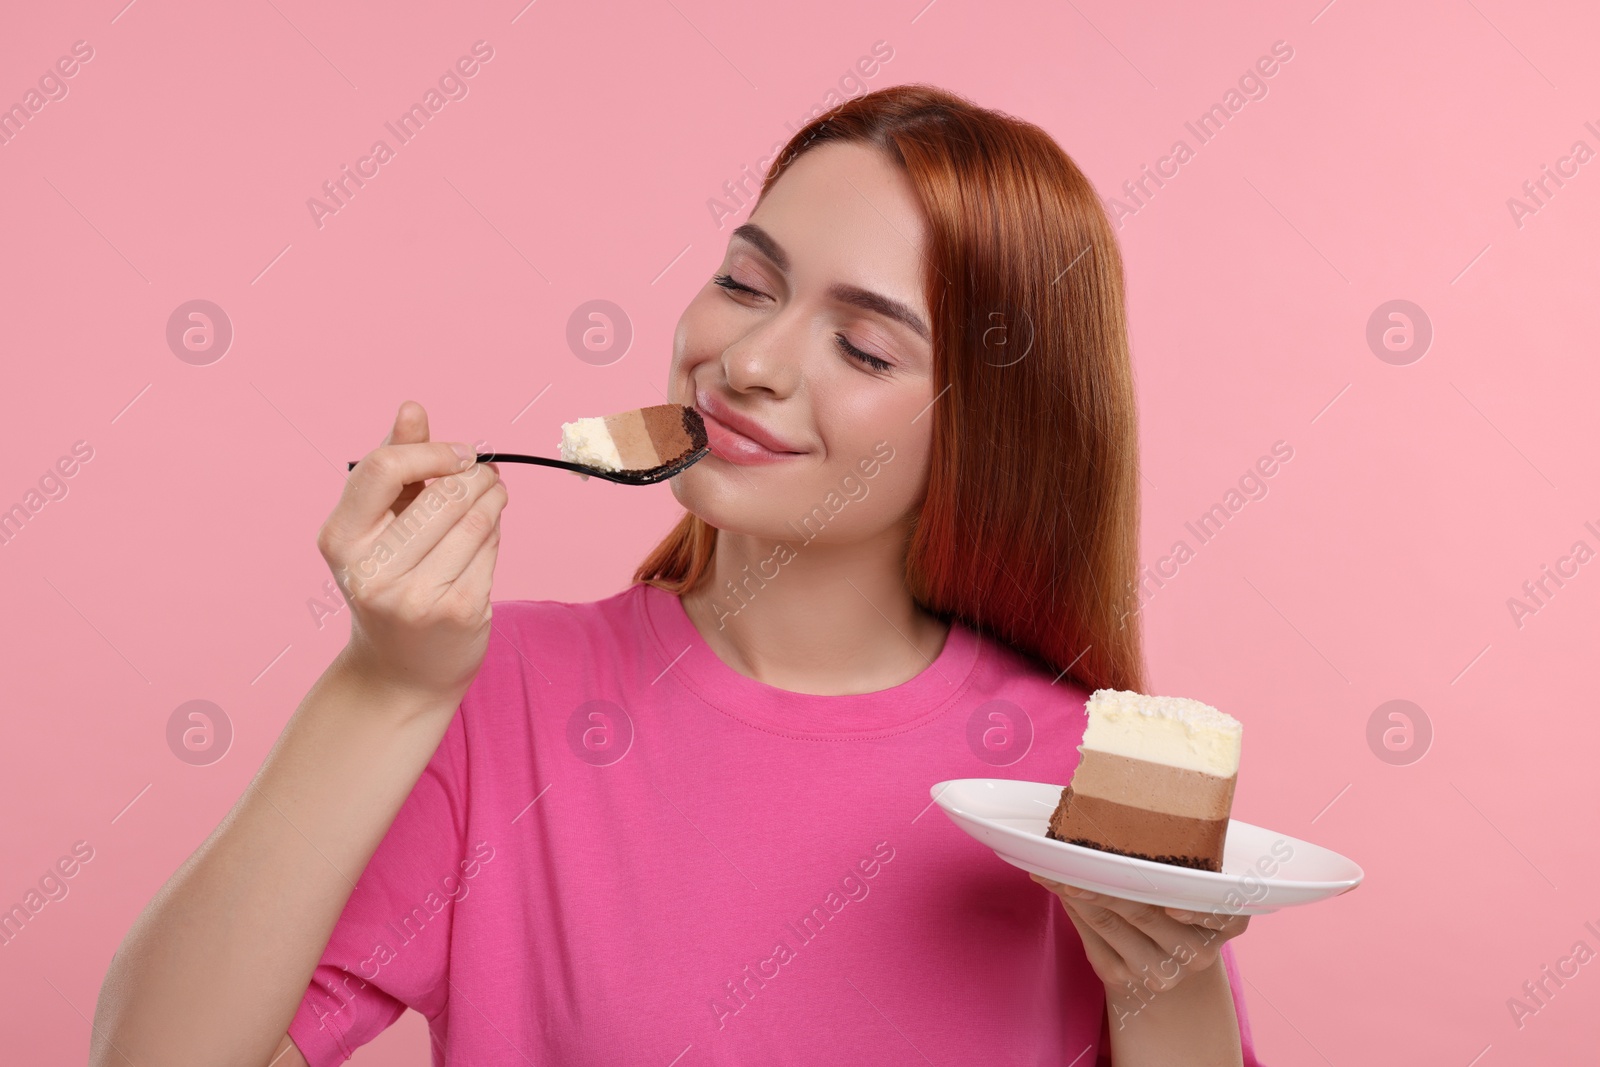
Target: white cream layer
<point>587,441</point>
<point>1176,731</point>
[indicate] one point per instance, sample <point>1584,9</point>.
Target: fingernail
<point>1184,915</point>
<point>467,454</point>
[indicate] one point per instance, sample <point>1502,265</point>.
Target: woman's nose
<point>770,357</point>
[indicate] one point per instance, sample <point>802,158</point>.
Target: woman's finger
<point>449,561</point>
<point>1138,949</point>
<point>1140,941</point>
<point>1231,924</point>
<point>382,477</point>
<point>442,514</point>
<point>1121,955</point>
<point>1106,960</point>
<point>1178,939</point>
<point>477,580</point>
<point>410,427</point>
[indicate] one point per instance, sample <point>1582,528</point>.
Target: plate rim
<point>1218,878</point>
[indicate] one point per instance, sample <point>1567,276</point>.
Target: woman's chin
<point>716,479</point>
<point>698,497</point>
<point>723,508</point>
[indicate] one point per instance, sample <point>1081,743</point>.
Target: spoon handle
<point>621,477</point>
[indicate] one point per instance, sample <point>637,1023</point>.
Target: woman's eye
<point>727,282</point>
<point>865,357</point>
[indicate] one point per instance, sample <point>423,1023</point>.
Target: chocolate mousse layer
<point>1135,831</point>
<point>674,431</point>
<point>630,432</point>
<point>1156,787</point>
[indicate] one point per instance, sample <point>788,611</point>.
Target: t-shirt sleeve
<point>1247,1042</point>
<point>389,949</point>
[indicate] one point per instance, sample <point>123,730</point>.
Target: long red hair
<point>1029,532</point>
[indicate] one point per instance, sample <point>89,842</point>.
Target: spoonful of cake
<point>638,447</point>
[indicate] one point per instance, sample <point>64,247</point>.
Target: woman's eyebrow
<point>846,294</point>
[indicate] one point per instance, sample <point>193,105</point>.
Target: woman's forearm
<point>1193,1023</point>
<point>215,966</point>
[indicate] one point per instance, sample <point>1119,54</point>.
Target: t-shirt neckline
<point>852,716</point>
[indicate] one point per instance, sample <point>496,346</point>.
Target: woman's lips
<point>737,448</point>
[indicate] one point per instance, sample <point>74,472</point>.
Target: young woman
<point>689,823</point>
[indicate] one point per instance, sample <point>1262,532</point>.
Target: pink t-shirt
<point>626,852</point>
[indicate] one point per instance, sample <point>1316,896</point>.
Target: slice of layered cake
<point>643,439</point>
<point>1155,780</point>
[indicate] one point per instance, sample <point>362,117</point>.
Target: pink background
<point>1419,498</point>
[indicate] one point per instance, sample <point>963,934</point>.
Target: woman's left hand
<point>1129,942</point>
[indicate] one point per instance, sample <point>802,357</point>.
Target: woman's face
<point>831,257</point>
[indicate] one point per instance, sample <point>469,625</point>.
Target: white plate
<point>1262,871</point>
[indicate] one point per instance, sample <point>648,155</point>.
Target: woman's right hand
<point>415,562</point>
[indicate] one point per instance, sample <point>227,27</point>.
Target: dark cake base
<point>1205,834</point>
<point>1177,861</point>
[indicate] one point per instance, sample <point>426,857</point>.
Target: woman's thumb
<point>410,425</point>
